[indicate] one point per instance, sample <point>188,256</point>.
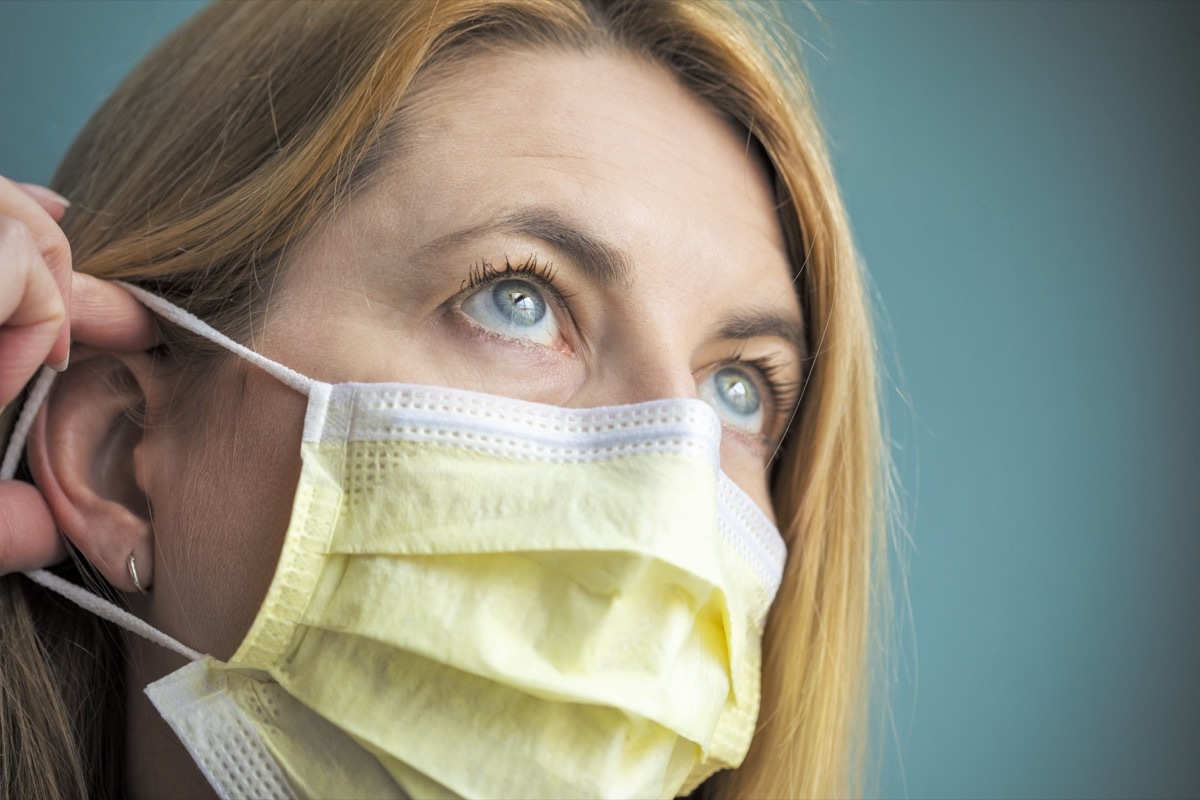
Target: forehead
<point>606,136</point>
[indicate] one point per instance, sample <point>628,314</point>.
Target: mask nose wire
<point>189,321</point>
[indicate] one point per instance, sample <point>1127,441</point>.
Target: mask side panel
<point>250,738</point>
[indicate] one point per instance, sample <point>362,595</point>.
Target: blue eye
<point>513,308</point>
<point>733,393</point>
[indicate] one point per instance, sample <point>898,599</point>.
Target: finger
<point>18,204</point>
<point>51,201</point>
<point>31,309</point>
<point>105,315</point>
<point>29,539</point>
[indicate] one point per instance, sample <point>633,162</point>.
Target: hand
<point>43,305</point>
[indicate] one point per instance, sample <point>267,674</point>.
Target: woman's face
<point>561,228</point>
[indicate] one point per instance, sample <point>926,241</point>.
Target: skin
<point>606,142</point>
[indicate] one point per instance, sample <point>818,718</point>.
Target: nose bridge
<point>640,365</point>
<point>656,378</point>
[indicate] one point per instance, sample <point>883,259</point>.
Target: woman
<point>582,205</point>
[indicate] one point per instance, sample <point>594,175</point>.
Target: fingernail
<point>46,194</point>
<point>62,365</point>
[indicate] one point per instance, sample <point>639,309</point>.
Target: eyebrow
<point>742,325</point>
<point>600,261</point>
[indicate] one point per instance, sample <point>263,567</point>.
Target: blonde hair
<point>254,123</point>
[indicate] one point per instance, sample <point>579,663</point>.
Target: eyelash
<point>483,274</point>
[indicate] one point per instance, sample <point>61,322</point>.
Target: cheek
<point>219,538</point>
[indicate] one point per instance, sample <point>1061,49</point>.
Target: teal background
<point>1023,182</point>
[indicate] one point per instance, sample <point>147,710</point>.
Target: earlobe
<point>84,454</point>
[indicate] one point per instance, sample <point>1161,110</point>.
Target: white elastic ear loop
<point>41,387</point>
<point>76,594</point>
<point>185,319</point>
<point>113,613</point>
<point>16,442</point>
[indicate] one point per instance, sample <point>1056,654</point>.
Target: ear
<point>84,452</point>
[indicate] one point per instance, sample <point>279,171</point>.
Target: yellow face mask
<point>483,597</point>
